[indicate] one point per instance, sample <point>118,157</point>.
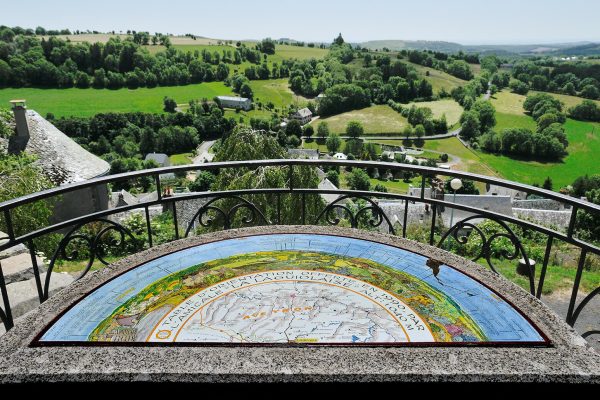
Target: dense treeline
<point>123,139</point>
<point>548,142</point>
<point>28,61</point>
<point>456,64</point>
<point>376,82</point>
<point>575,79</point>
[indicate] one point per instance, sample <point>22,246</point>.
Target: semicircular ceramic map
<point>292,288</point>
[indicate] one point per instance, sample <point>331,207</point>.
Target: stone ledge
<point>569,359</point>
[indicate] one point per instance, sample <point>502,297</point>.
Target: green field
<point>569,101</point>
<point>439,80</point>
<point>449,107</point>
<point>181,159</point>
<point>584,144</point>
<point>375,119</point>
<point>276,91</point>
<point>88,102</point>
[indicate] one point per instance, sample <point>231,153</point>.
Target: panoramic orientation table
<point>295,304</point>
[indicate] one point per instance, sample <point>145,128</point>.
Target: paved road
<point>400,137</point>
<point>203,155</point>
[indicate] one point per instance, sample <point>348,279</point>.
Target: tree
<point>380,188</point>
<point>547,183</point>
<point>246,144</point>
<point>246,91</point>
<point>20,176</point>
<point>293,128</point>
<point>354,129</point>
<point>169,104</point>
<point>588,110</point>
<point>486,114</point>
<point>339,40</point>
<point>334,177</point>
<point>323,130</point>
<point>267,46</point>
<point>308,131</point>
<point>358,179</point>
<point>203,182</point>
<point>470,128</point>
<point>147,141</point>
<point>519,87</point>
<point>333,142</point>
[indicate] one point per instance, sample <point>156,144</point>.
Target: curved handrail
<point>76,223</point>
<point>286,162</point>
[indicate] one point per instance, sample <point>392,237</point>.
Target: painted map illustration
<point>292,288</point>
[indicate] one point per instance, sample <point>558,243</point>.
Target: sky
<point>462,21</point>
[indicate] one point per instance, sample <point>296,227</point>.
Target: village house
<point>240,103</point>
<point>303,116</point>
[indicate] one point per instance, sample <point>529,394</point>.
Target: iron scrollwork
<point>573,318</point>
<point>378,216</point>
<point>95,244</point>
<point>251,216</point>
<point>486,243</point>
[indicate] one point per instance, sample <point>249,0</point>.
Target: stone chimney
<point>19,141</point>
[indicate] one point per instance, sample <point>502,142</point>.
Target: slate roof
<point>232,98</point>
<point>161,158</point>
<point>304,112</point>
<point>60,157</point>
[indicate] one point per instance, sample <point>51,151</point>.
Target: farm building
<point>61,159</point>
<point>160,158</point>
<point>241,103</point>
<point>163,161</point>
<point>303,116</point>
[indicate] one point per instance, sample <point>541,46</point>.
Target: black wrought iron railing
<point>357,209</point>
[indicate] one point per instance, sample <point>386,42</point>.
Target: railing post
<point>9,226</point>
<point>572,222</point>
<point>433,217</point>
<point>8,324</point>
<point>405,218</point>
<point>175,220</point>
<point>36,271</point>
<point>158,188</point>
<point>148,226</point>
<point>544,266</point>
<point>576,283</point>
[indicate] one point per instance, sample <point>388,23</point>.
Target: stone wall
<point>539,204</point>
<point>549,218</point>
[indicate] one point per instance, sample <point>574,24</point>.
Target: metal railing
<point>367,213</point>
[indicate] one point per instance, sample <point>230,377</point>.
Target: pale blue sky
<point>463,21</point>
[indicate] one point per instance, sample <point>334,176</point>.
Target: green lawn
<point>375,119</point>
<point>584,145</point>
<point>276,91</point>
<point>88,102</point>
<point>181,159</point>
<point>399,186</point>
<point>584,142</point>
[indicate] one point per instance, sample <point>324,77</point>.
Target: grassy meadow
<point>584,142</point>
<point>449,107</point>
<point>88,102</point>
<point>375,119</point>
